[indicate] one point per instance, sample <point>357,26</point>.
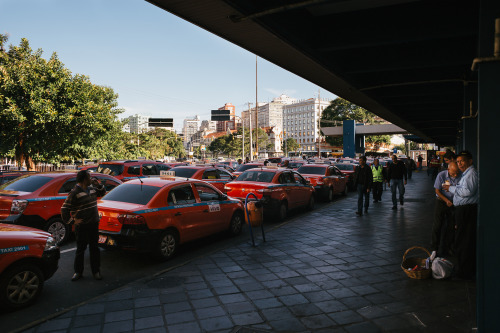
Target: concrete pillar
<point>488,251</point>
<point>360,144</point>
<point>349,129</point>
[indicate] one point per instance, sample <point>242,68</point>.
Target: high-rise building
<point>301,122</point>
<point>271,114</point>
<point>191,126</point>
<point>223,126</point>
<point>138,123</point>
<point>208,125</point>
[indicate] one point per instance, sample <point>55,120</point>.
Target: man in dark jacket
<point>80,208</point>
<point>363,179</point>
<point>395,174</point>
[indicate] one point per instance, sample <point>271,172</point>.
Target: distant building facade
<point>223,126</point>
<point>191,126</point>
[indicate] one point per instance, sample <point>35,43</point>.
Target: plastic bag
<point>441,268</point>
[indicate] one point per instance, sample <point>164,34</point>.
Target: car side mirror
<point>224,197</point>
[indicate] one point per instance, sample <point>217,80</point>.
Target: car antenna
<point>140,180</point>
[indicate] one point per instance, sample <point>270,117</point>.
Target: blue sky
<point>159,64</point>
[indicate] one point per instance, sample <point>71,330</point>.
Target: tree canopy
<point>340,110</point>
<point>49,114</point>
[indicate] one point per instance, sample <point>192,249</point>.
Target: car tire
<point>346,189</point>
<point>167,245</point>
<point>20,286</point>
<point>329,197</point>
<point>236,224</point>
<point>310,204</point>
<point>283,211</point>
<point>58,229</point>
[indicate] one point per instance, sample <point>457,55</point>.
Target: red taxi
<point>28,257</point>
<point>35,200</point>
<point>157,214</point>
<point>247,166</point>
<point>326,179</point>
<point>126,170</point>
<point>218,177</point>
<point>348,170</point>
<point>280,190</point>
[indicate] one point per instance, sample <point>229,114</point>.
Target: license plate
<point>102,239</point>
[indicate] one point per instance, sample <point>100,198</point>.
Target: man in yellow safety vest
<point>378,180</point>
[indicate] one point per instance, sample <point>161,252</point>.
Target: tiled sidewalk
<point>325,271</point>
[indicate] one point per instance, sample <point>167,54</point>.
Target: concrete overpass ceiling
<point>404,60</point>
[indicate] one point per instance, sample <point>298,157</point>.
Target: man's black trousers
<point>465,240</point>
<point>87,234</point>
<point>443,229</point>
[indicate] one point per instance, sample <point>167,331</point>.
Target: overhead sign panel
<point>161,122</point>
<point>221,115</point>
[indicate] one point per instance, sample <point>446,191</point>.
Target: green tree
<point>289,145</point>
<point>48,114</point>
<point>340,110</point>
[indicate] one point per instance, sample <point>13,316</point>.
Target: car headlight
<point>50,244</point>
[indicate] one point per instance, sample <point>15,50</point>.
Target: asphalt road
<point>118,269</point>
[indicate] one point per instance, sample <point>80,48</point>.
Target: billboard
<point>161,122</point>
<point>221,115</point>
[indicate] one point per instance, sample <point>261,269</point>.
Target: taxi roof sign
<point>167,173</point>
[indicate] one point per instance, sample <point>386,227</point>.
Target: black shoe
<point>394,207</point>
<point>401,202</point>
<point>359,213</point>
<point>98,276</point>
<point>76,277</point>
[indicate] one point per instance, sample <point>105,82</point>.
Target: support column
<point>349,129</point>
<point>488,252</point>
<point>360,144</point>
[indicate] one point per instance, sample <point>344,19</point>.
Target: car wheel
<point>167,246</point>
<point>58,229</point>
<point>310,205</point>
<point>236,224</point>
<point>329,198</point>
<point>346,189</point>
<point>20,286</point>
<point>282,213</point>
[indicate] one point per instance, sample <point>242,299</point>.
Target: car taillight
<point>131,219</point>
<point>320,180</point>
<point>18,206</point>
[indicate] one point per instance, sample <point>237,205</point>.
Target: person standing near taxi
<point>363,179</point>
<point>465,200</point>
<point>80,208</point>
<point>378,180</point>
<point>443,228</point>
<point>395,174</point>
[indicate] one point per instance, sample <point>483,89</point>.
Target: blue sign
<point>14,249</point>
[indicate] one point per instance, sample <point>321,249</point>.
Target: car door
<point>301,191</point>
<point>216,214</point>
<point>287,179</point>
<point>186,216</point>
<point>342,179</point>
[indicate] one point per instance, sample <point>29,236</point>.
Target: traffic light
<point>221,115</point>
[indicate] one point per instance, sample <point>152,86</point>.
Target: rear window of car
<point>184,172</point>
<point>132,193</point>
<point>26,183</point>
<point>245,167</point>
<point>346,167</point>
<point>256,176</point>
<point>311,170</point>
<point>111,169</point>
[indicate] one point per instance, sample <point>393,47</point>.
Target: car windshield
<point>308,170</point>
<point>132,193</point>
<point>26,183</point>
<point>245,167</point>
<point>184,172</point>
<point>256,176</point>
<point>295,164</point>
<point>346,167</point>
<point>110,169</point>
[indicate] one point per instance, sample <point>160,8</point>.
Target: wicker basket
<point>414,261</point>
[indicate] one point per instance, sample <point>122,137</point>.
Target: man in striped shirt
<point>80,208</point>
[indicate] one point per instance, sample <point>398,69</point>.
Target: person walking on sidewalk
<point>80,208</point>
<point>396,172</point>
<point>420,162</point>
<point>465,200</point>
<point>378,180</point>
<point>363,179</point>
<point>443,229</point>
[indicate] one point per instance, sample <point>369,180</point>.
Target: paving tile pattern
<point>324,271</point>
